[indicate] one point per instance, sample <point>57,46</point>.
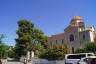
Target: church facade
<point>75,35</point>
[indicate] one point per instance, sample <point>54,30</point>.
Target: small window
<point>83,37</point>
<point>71,37</point>
<point>56,41</point>
<point>51,43</point>
<point>62,41</point>
<point>76,56</point>
<point>90,55</point>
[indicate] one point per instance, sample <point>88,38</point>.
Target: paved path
<point>7,62</point>
<point>13,63</point>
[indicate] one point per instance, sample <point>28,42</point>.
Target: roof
<point>76,18</point>
<point>58,34</point>
<point>80,53</point>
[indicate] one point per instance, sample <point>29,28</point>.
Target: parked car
<point>74,58</point>
<point>88,60</point>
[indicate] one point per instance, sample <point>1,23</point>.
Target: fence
<point>44,61</point>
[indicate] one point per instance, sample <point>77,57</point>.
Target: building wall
<point>57,39</point>
<point>81,35</point>
<point>72,31</point>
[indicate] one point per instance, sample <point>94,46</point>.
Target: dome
<point>77,18</point>
<point>76,21</point>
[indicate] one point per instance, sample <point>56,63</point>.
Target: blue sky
<point>51,16</point>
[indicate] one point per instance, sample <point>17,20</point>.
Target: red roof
<point>58,34</point>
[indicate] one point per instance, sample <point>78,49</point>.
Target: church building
<point>75,35</point>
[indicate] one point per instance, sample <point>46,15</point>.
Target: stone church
<point>75,35</point>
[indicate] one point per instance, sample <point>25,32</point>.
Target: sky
<point>50,16</point>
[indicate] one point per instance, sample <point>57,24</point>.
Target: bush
<point>91,46</point>
<point>12,54</point>
<point>56,52</point>
<point>80,50</point>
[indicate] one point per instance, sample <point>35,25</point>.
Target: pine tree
<point>29,38</point>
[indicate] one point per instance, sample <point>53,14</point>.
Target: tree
<point>80,50</point>
<point>3,49</point>
<point>56,52</point>
<point>39,37</point>
<point>91,46</point>
<point>24,37</point>
<point>29,38</point>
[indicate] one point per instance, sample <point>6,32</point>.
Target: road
<point>6,62</point>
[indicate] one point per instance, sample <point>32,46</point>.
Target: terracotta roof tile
<point>58,34</point>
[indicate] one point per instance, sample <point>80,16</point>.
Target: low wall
<point>44,61</point>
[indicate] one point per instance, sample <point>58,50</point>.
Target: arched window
<point>71,37</point>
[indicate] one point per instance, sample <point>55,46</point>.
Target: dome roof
<point>76,18</point>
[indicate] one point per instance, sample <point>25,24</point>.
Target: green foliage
<point>91,46</point>
<point>56,52</point>
<point>12,54</point>
<point>80,50</point>
<point>3,52</point>
<point>24,37</point>
<point>3,48</point>
<point>39,37</point>
<point>29,38</point>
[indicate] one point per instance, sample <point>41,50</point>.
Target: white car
<point>74,58</point>
<point>88,60</point>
